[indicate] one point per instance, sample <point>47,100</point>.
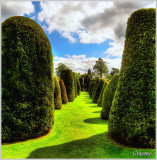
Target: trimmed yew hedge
<point>91,88</point>
<point>108,96</point>
<point>95,86</point>
<point>98,90</point>
<point>67,77</point>
<point>132,115</point>
<point>27,80</point>
<point>57,94</point>
<point>82,83</point>
<point>63,92</point>
<point>78,87</point>
<point>75,84</point>
<point>99,102</point>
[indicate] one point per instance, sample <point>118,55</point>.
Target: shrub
<point>27,80</point>
<point>78,87</point>
<point>63,92</point>
<point>98,90</point>
<point>91,88</point>
<point>132,114</point>
<point>57,94</point>
<point>95,87</point>
<point>90,82</point>
<point>75,84</point>
<point>67,77</point>
<point>108,96</point>
<point>99,102</point>
<point>82,83</point>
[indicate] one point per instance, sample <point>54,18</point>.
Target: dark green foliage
<point>99,102</point>
<point>75,84</point>
<point>57,94</point>
<point>98,90</point>
<point>114,71</point>
<point>78,87</point>
<point>108,96</point>
<point>63,92</point>
<point>95,86</point>
<point>27,80</point>
<point>82,83</point>
<point>89,72</point>
<point>68,78</point>
<point>132,115</point>
<point>91,88</point>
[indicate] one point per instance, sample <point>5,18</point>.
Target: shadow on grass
<point>97,146</point>
<point>97,112</point>
<point>96,120</point>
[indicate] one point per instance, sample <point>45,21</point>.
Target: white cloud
<point>16,8</point>
<point>94,22</point>
<point>80,63</point>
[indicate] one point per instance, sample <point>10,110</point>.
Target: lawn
<point>78,133</point>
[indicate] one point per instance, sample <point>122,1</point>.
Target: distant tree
<point>60,68</point>
<point>89,72</point>
<point>100,68</point>
<point>114,71</point>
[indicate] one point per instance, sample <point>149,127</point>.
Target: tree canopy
<point>100,68</point>
<point>60,68</point>
<point>114,71</point>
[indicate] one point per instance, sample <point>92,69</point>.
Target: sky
<point>80,32</point>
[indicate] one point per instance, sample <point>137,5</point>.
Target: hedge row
<point>108,96</point>
<point>98,90</point>
<point>57,94</point>
<point>68,78</point>
<point>63,92</point>
<point>99,102</point>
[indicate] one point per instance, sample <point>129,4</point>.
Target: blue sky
<point>68,48</point>
<point>80,32</point>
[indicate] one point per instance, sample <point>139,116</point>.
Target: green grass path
<point>78,133</point>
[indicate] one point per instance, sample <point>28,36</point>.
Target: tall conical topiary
<point>91,88</point>
<point>75,84</point>
<point>78,87</point>
<point>82,83</point>
<point>132,115</point>
<point>95,86</point>
<point>57,94</point>
<point>27,80</point>
<point>98,90</point>
<point>99,102</point>
<point>67,77</point>
<point>108,95</point>
<point>63,92</point>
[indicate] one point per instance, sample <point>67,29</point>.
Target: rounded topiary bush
<point>95,87</point>
<point>67,77</point>
<point>89,87</point>
<point>108,95</point>
<point>63,92</point>
<point>78,87</point>
<point>98,90</point>
<point>27,80</point>
<point>75,84</point>
<point>57,94</point>
<point>99,102</point>
<point>132,114</point>
<point>82,83</point>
